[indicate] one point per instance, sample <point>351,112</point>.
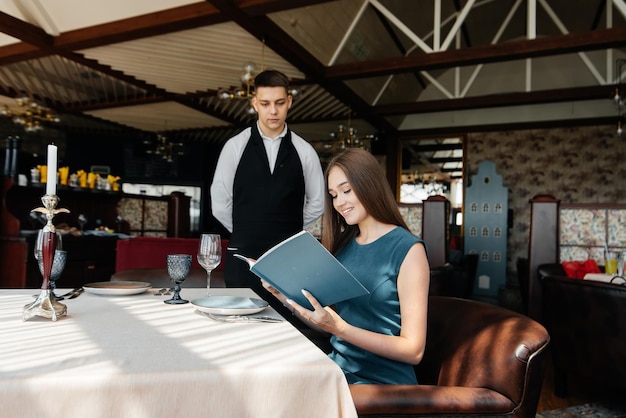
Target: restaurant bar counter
<point>135,356</point>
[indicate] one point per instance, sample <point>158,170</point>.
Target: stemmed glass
<point>82,220</point>
<point>178,266</point>
<point>209,255</point>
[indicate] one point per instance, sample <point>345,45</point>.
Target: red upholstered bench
<point>151,252</point>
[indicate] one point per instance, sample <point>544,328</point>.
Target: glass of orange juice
<point>610,265</point>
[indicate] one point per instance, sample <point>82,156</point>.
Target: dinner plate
<point>117,288</point>
<point>229,305</point>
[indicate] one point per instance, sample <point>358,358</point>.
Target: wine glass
<point>82,220</point>
<point>58,264</point>
<point>209,255</point>
<point>178,266</point>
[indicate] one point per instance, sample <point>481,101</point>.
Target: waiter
<point>268,184</point>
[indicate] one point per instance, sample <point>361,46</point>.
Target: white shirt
<point>224,177</point>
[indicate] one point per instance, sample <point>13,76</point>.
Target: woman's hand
<point>324,318</point>
<point>282,298</point>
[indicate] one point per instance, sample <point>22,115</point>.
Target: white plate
<point>229,305</point>
<point>117,288</point>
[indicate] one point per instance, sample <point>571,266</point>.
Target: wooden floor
<point>578,393</point>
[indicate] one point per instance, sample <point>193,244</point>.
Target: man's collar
<point>282,134</point>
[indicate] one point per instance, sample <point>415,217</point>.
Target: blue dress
<point>376,265</point>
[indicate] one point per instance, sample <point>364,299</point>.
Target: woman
<point>378,337</point>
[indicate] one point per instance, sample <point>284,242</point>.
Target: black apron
<point>267,208</point>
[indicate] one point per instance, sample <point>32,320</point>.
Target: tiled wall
<point>575,165</point>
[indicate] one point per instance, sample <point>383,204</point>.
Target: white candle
<point>51,185</point>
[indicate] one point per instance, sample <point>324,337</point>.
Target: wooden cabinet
<point>98,206</point>
<point>90,258</point>
<point>13,253</point>
<point>486,229</point>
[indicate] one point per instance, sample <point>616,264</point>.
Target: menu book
<point>302,262</point>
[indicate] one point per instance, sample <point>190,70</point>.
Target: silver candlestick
<point>46,305</point>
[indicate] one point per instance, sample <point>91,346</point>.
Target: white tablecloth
<point>135,356</point>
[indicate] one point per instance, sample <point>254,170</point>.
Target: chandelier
<point>619,95</point>
<point>246,89</point>
<point>165,148</point>
<point>29,114</point>
<point>349,138</point>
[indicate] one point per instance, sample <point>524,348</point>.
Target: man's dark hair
<point>271,78</point>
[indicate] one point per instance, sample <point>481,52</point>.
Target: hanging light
<point>618,98</point>
<point>29,114</point>
<point>246,89</point>
<point>348,138</point>
<point>164,148</point>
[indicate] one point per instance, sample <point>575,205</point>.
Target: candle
<point>51,185</point>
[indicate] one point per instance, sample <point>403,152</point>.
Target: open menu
<point>302,262</point>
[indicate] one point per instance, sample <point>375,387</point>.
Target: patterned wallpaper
<point>412,215</point>
<point>583,233</point>
<point>131,209</point>
<point>575,165</point>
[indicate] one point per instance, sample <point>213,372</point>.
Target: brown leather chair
<point>587,322</point>
<point>480,360</point>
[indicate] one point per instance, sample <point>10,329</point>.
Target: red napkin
<point>578,269</point>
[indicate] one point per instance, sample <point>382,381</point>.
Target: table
<point>159,277</point>
<point>135,356</point>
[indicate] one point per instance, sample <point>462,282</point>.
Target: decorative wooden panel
<point>485,217</point>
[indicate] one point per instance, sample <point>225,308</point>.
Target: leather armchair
<point>480,359</point>
<point>587,322</point>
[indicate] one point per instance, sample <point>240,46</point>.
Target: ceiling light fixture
<point>29,114</point>
<point>619,95</point>
<point>246,91</point>
<point>348,138</point>
<point>165,148</point>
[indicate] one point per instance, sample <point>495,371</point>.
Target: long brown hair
<point>368,182</point>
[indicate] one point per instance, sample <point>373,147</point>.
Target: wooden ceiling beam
<point>158,23</point>
<point>263,28</point>
<point>36,43</point>
<point>25,31</point>
<point>166,21</point>
<point>498,100</point>
<point>484,54</point>
<point>264,7</point>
